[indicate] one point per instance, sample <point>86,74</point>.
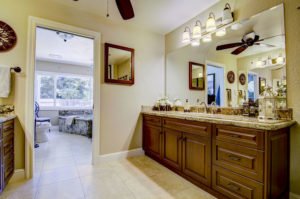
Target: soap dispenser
<point>186,106</point>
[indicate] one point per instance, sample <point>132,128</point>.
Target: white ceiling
<point>117,56</point>
<point>50,47</point>
<point>161,16</point>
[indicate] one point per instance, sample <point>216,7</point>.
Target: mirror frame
<point>191,74</point>
<point>115,81</point>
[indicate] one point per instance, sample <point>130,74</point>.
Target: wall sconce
<point>211,23</point>
<point>186,36</point>
<point>206,38</point>
<point>227,14</point>
<point>197,30</point>
<point>221,32</point>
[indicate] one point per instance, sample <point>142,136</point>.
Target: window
<point>64,91</point>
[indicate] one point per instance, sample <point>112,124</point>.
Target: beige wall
<point>247,8</point>
<point>124,68</point>
<point>119,104</point>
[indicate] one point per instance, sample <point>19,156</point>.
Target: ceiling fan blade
<point>239,50</point>
<point>256,38</point>
<point>125,8</point>
<point>265,45</point>
<point>232,45</point>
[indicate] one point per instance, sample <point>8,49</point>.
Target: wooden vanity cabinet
<point>227,161</point>
<point>6,152</point>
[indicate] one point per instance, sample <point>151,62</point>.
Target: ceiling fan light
<point>195,42</point>
<point>221,32</point>
<point>197,30</point>
<point>211,23</point>
<point>206,38</point>
<point>227,15</point>
<point>186,36</point>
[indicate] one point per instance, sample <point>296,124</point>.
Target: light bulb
<point>227,15</point>
<point>186,38</point>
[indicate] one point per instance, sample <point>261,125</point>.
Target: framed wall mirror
<point>196,76</point>
<point>119,64</point>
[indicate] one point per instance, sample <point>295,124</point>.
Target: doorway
<point>85,95</point>
<point>215,85</point>
<point>253,88</point>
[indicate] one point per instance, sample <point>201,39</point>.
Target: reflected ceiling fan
<point>248,40</point>
<point>125,9</point>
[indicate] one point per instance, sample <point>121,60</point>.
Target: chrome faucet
<point>206,108</point>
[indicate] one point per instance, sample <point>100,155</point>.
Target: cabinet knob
<point>235,158</point>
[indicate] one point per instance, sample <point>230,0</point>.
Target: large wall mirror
<point>119,64</point>
<point>256,65</point>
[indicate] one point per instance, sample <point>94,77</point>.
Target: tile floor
<point>64,171</point>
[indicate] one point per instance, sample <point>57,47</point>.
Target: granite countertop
<point>6,117</point>
<point>235,120</point>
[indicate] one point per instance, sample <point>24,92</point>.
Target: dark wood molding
<point>191,76</point>
<point>106,53</point>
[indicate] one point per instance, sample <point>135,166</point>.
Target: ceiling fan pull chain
<point>107,9</point>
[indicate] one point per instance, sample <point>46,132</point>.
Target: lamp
<point>227,14</point>
<point>186,36</point>
<point>221,32</point>
<point>197,30</point>
<point>206,38</point>
<point>195,42</point>
<point>211,23</point>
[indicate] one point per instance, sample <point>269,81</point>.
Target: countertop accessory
<point>242,79</point>
<point>230,77</point>
<point>8,37</point>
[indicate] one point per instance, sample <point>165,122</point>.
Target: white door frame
<point>35,22</point>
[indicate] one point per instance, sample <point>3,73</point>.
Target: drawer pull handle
<point>235,136</point>
<point>235,158</point>
<point>233,187</point>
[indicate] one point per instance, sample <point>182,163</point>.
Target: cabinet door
<point>152,141</point>
<point>171,152</point>
<point>196,156</point>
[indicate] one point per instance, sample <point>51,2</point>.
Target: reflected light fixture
<point>260,63</point>
<point>221,32</point>
<point>211,23</point>
<point>197,30</point>
<point>280,59</point>
<point>206,38</point>
<point>186,36</point>
<point>195,42</point>
<point>64,36</point>
<point>227,15</point>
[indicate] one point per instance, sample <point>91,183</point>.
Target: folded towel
<point>70,120</point>
<point>4,81</point>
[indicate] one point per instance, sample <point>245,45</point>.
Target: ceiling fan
<point>125,9</point>
<point>248,40</point>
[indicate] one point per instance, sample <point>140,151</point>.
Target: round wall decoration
<point>230,77</point>
<point>8,37</point>
<point>242,78</point>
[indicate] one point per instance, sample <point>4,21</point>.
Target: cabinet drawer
<point>152,120</point>
<point>7,159</point>
<point>9,169</point>
<point>242,136</point>
<point>8,145</point>
<point>193,127</point>
<point>242,160</point>
<point>235,186</point>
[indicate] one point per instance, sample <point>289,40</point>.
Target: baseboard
<point>294,196</point>
<point>19,175</point>
<point>119,155</point>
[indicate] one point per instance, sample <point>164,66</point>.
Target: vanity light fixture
<point>195,42</point>
<point>227,14</point>
<point>211,23</point>
<point>197,30</point>
<point>186,36</point>
<point>206,38</point>
<point>221,32</point>
<point>260,63</point>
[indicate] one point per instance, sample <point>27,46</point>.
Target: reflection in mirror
<point>197,76</point>
<point>119,64</point>
<point>254,47</point>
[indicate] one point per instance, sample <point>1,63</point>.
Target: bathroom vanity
<point>6,150</point>
<point>228,156</point>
